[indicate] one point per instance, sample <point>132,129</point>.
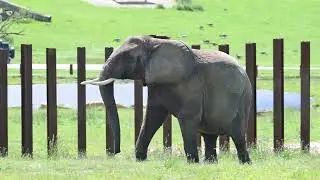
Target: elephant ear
<point>170,62</point>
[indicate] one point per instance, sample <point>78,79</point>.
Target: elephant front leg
<point>155,116</point>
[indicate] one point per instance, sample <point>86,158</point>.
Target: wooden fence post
<point>167,133</point>
<point>197,46</point>
<point>138,108</point>
<point>251,68</point>
<point>305,96</point>
<point>26,98</point>
<point>224,140</point>
<point>3,103</point>
<point>51,101</point>
<point>109,136</point>
<point>71,69</point>
<point>81,60</point>
<point>278,97</point>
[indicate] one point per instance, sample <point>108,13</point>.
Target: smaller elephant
<point>208,92</point>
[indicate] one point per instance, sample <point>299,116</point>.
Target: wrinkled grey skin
<point>208,92</point>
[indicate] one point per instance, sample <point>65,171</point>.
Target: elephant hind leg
<point>210,141</point>
<point>240,143</point>
<point>242,152</point>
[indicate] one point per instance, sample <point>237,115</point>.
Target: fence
<point>251,69</point>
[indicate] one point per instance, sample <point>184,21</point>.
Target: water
<point>124,95</point>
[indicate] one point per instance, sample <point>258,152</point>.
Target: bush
<point>7,19</point>
<point>160,6</point>
<point>184,1</point>
<point>186,5</point>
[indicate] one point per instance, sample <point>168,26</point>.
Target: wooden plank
<point>197,46</point>
<point>224,140</point>
<point>71,69</point>
<point>26,98</point>
<point>305,96</point>
<point>82,134</point>
<point>138,108</point>
<point>278,96</point>
<point>3,103</point>
<point>251,68</point>
<point>167,133</point>
<point>51,101</point>
<point>109,136</point>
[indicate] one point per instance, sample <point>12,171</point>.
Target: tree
<point>7,19</point>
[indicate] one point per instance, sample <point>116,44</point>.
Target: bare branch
<point>11,33</point>
<point>8,20</point>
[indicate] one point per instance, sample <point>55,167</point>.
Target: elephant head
<point>151,60</point>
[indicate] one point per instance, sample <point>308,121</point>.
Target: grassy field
<point>76,23</point>
<point>290,164</point>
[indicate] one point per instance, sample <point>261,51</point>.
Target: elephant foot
<point>244,159</point>
<point>211,160</point>
<point>141,156</point>
<point>192,159</point>
<point>245,162</point>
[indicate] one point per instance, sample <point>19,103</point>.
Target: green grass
<point>290,164</point>
<point>76,23</point>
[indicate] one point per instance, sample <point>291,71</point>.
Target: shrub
<point>160,6</point>
<point>7,19</point>
<point>186,5</point>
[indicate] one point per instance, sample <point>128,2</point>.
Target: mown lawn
<point>290,164</point>
<point>76,23</point>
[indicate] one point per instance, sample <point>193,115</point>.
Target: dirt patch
<point>314,147</point>
<point>132,3</point>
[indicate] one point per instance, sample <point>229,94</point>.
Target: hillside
<point>77,23</point>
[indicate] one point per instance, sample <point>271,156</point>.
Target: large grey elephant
<point>208,92</point>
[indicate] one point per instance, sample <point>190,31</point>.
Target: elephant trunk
<point>106,87</point>
<point>107,94</point>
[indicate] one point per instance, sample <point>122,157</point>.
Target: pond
<point>124,95</point>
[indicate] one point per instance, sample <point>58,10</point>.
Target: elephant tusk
<point>89,81</point>
<point>100,83</point>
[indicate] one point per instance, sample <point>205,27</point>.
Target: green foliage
<point>187,5</point>
<point>8,19</point>
<point>184,1</point>
<point>160,6</point>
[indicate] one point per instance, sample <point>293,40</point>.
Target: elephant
<point>208,92</point>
